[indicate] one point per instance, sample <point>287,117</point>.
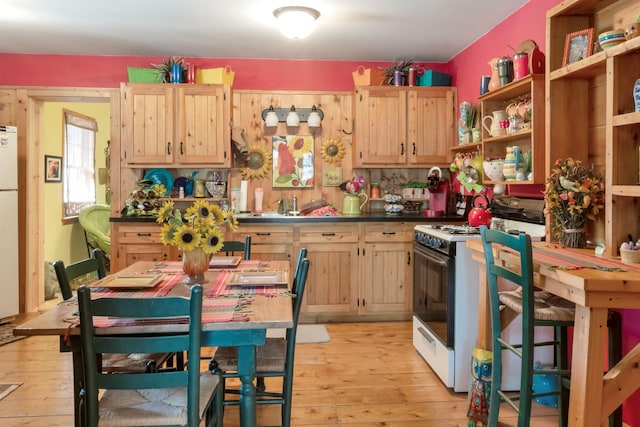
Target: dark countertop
<point>365,217</point>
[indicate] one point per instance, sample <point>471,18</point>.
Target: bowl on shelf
<point>393,208</point>
<point>392,198</point>
<point>493,169</point>
<point>611,38</point>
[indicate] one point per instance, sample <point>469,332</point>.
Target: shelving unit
<point>603,128</point>
<point>531,87</point>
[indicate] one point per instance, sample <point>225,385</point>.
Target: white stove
<point>445,301</point>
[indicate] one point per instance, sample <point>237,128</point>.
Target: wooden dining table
<point>595,284</point>
<point>232,316</point>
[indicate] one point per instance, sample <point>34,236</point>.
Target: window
<point>79,187</point>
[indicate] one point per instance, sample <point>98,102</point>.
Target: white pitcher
<point>494,128</point>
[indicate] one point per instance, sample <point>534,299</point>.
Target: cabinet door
<point>147,123</point>
<point>431,126</point>
<point>138,242</point>
<point>332,281</point>
<point>387,279</point>
<point>380,126</point>
<point>203,125</point>
<point>268,242</point>
<point>130,254</point>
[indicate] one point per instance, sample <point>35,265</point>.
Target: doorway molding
<point>31,206</point>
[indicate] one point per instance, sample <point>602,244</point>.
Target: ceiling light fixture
<point>296,22</point>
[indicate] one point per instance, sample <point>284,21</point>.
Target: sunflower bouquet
<point>573,194</point>
<point>199,227</point>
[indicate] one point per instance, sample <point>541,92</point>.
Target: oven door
<point>433,291</point>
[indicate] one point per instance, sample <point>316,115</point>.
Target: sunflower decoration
<point>200,226</point>
<point>258,162</point>
<point>332,151</point>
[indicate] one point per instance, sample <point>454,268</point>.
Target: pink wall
<point>109,71</point>
<point>466,68</point>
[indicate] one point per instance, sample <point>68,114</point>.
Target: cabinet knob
<point>169,147</point>
<point>144,234</point>
<point>402,148</point>
<point>328,234</point>
<point>388,233</point>
<point>414,148</point>
<point>181,148</point>
<point>263,234</point>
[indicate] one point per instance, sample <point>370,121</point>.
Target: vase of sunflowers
<point>573,194</point>
<point>198,233</point>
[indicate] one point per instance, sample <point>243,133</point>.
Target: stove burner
<point>458,229</point>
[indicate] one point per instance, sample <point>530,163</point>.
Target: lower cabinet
<point>138,242</point>
<point>359,271</point>
<point>387,269</point>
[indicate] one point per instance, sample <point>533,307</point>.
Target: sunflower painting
<point>293,161</point>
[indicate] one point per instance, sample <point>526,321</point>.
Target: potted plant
<point>402,66</point>
<point>164,69</point>
<point>468,119</point>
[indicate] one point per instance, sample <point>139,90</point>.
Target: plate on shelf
<point>161,176</point>
<point>130,281</point>
<point>224,261</point>
<point>254,278</point>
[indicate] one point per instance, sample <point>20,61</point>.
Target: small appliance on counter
<point>439,193</point>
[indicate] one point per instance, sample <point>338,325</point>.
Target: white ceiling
<point>352,30</point>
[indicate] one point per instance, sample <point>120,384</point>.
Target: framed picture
<point>577,46</point>
<point>293,161</point>
<point>52,168</point>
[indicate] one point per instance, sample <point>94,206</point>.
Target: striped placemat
<point>176,266</point>
<point>560,257</point>
<point>220,289</point>
<point>160,290</point>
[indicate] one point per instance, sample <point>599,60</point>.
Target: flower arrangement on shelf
<point>198,233</point>
<point>354,186</point>
<point>573,194</point>
<point>145,200</point>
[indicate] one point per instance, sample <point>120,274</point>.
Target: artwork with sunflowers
<point>293,161</point>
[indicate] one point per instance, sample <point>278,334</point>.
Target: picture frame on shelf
<point>578,45</point>
<point>52,168</point>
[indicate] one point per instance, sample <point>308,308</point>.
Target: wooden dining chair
<point>538,308</point>
<point>171,398</point>
<point>231,247</point>
<point>90,270</point>
<point>274,359</point>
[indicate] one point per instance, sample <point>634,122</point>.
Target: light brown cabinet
<point>138,241</point>
<point>176,125</point>
<point>272,242</point>
<point>530,139</point>
<point>590,112</point>
<point>403,126</point>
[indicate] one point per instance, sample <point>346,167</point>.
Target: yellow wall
<point>66,242</point>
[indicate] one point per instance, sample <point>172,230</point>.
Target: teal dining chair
<point>171,398</point>
<point>274,359</point>
<point>90,270</point>
<point>538,308</point>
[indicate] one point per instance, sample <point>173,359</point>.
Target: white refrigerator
<point>8,222</point>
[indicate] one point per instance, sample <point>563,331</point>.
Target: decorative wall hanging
<point>258,162</point>
<point>293,161</point>
<point>332,151</point>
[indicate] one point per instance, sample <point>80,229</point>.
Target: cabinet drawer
<point>329,234</point>
<point>139,234</point>
<point>390,232</point>
<point>261,234</point>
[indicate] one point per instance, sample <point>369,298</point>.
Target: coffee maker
<point>438,188</point>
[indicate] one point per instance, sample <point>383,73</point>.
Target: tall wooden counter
<point>594,291</point>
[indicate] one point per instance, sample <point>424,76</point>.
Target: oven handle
<point>426,335</point>
<point>441,260</point>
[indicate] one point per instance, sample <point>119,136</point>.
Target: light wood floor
<point>368,375</point>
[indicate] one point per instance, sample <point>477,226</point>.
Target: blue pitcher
<point>513,163</point>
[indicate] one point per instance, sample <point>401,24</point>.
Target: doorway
<point>32,204</point>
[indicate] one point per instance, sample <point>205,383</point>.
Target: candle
<point>243,195</point>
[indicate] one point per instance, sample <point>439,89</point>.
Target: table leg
<point>589,338</point>
<point>247,372</point>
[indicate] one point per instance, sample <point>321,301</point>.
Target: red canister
<point>412,76</point>
<point>520,65</point>
<point>191,73</point>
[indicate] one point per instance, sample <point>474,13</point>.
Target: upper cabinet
<point>403,126</point>
<point>520,103</point>
<point>176,125</point>
<point>591,114</point>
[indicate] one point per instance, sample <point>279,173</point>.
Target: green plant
<point>164,69</point>
<point>401,64</point>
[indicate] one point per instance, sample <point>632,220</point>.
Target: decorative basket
<point>215,75</point>
<point>216,189</point>
<point>629,256</point>
<point>412,207</point>
<point>368,77</point>
<point>143,75</point>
